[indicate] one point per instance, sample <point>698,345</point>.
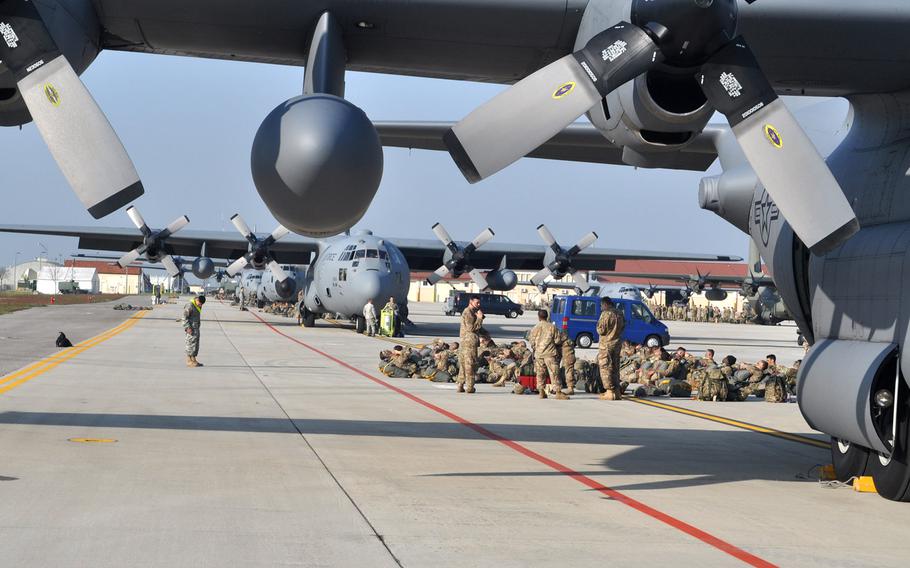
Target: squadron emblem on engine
<point>764,214</point>
<point>774,136</point>
<point>53,96</point>
<point>564,90</point>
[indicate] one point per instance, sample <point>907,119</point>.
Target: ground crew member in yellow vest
<point>610,327</point>
<point>568,360</point>
<point>192,319</point>
<point>543,340</point>
<point>470,334</point>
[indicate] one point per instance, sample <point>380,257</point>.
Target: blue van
<point>578,315</point>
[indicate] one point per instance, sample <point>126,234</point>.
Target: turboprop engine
<point>317,163</point>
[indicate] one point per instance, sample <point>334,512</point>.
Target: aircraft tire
<point>360,324</point>
<point>849,459</point>
<point>892,475</point>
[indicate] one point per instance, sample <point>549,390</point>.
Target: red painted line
<point>682,526</point>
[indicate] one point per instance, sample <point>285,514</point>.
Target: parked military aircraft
<point>341,273</point>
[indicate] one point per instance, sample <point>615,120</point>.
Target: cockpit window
<point>372,253</point>
<point>383,254</point>
<point>360,253</point>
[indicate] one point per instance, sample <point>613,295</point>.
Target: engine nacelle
<point>76,30</point>
<point>715,295</point>
<point>654,115</point>
<point>317,163</point>
<point>502,280</point>
<point>203,268</point>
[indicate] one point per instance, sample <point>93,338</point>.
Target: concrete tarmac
<point>289,448</point>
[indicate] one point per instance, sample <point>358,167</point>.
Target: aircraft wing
<point>426,254</point>
<point>576,143</point>
<point>710,279</point>
<point>293,249</point>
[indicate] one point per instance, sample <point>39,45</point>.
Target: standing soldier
<point>568,360</point>
<point>543,340</point>
<point>369,316</point>
<point>471,331</point>
<point>192,318</point>
<point>610,327</point>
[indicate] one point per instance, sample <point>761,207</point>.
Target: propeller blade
<point>137,220</point>
<point>76,132</point>
<point>176,225</point>
<point>170,265</point>
<point>440,273</point>
<point>279,233</point>
<point>479,279</point>
<point>482,239</point>
<point>583,243</point>
<point>442,234</point>
<point>241,225</point>
<point>536,108</point>
<point>786,162</point>
<point>129,258</point>
<point>277,271</point>
<point>237,266</point>
<point>547,237</point>
<point>581,282</point>
<point>539,278</point>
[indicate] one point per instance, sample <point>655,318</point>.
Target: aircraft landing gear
<point>849,459</point>
<point>360,324</point>
<point>892,473</point>
<point>307,318</point>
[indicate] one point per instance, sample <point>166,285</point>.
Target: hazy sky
<point>188,125</point>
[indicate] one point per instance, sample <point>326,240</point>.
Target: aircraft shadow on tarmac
<point>693,457</point>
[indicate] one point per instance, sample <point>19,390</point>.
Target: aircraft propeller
<point>77,133</point>
<point>459,260</point>
<point>259,254</point>
<point>558,261</point>
<point>153,242</point>
<point>697,34</point>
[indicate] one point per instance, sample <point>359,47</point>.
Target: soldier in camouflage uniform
<point>192,320</point>
<point>567,346</point>
<point>543,340</point>
<point>610,327</point>
<point>471,332</point>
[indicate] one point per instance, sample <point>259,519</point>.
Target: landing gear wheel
<point>892,473</point>
<point>307,318</point>
<point>849,459</point>
<point>360,324</point>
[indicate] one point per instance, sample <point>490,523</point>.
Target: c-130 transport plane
<point>339,274</point>
<point>647,74</point>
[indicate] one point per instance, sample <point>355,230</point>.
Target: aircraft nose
<point>370,284</point>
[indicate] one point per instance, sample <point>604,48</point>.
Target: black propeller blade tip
<point>460,156</point>
<point>116,201</point>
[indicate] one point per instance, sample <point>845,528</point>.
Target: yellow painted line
<point>736,423</point>
<point>93,440</point>
<point>34,370</point>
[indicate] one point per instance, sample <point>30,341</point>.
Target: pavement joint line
<point>37,369</point>
<point>613,494</point>
<point>306,441</point>
<point>694,413</point>
<point>736,423</point>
